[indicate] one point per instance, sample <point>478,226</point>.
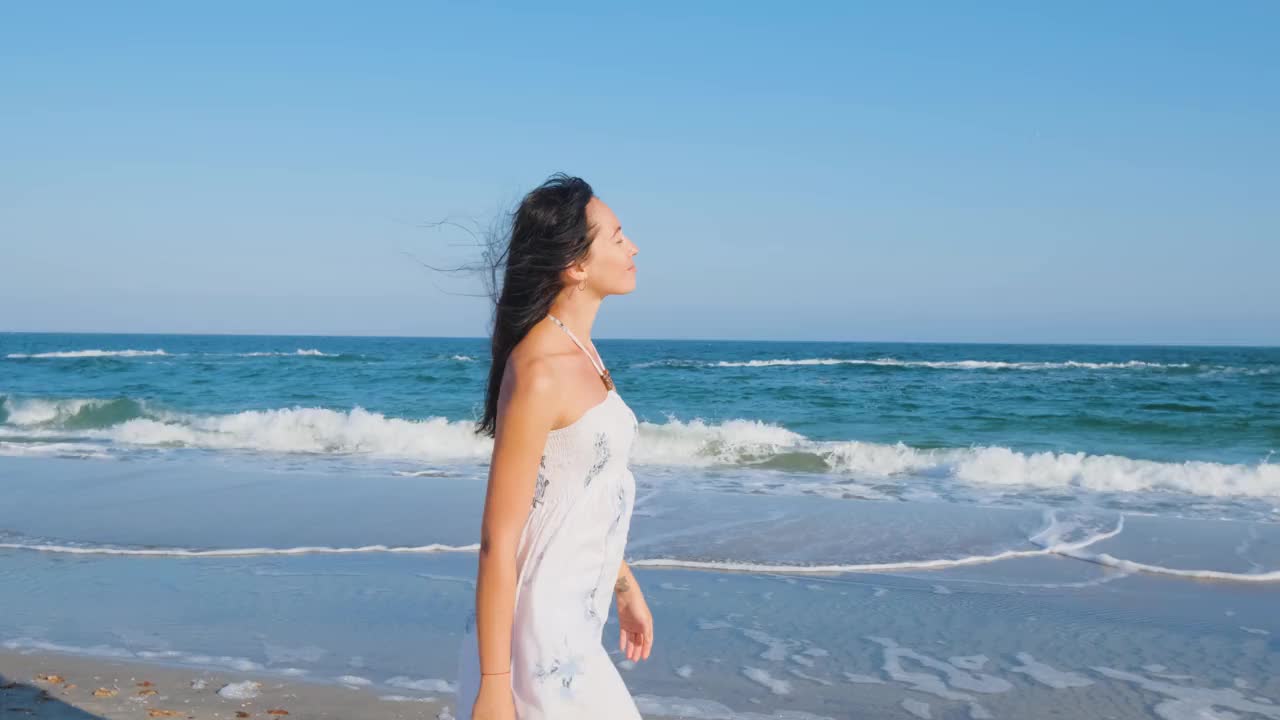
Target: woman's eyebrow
<point>615,232</point>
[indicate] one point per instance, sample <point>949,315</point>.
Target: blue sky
<point>1006,172</point>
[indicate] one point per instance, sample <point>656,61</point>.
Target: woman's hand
<point>634,621</point>
<point>494,701</point>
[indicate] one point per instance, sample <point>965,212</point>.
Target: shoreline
<point>61,686</point>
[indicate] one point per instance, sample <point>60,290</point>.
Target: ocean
<point>823,530</point>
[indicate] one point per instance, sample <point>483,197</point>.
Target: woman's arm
<point>635,621</point>
<point>526,411</point>
<point>626,581</point>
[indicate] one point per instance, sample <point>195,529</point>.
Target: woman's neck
<point>577,315</point>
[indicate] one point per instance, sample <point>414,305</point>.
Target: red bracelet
<point>497,673</point>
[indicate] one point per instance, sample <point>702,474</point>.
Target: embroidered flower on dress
<point>602,457</point>
<point>562,668</point>
<point>592,613</point>
<point>619,508</point>
<point>540,488</point>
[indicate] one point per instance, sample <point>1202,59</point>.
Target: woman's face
<point>609,265</point>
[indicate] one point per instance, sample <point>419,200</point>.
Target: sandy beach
<point>66,687</point>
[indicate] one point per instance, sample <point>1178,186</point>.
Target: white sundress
<point>567,562</point>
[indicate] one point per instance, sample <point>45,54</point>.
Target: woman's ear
<point>577,272</point>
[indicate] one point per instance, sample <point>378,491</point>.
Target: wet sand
<point>64,687</point>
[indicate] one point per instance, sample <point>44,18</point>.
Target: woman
<point>559,499</point>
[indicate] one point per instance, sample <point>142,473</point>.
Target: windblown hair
<point>549,233</point>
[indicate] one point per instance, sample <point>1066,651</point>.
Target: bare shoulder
<point>529,375</point>
<point>529,388</point>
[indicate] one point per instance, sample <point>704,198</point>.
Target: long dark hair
<point>549,233</point>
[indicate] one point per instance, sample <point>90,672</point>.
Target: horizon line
<point>663,339</point>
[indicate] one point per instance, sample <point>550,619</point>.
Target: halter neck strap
<point>599,366</point>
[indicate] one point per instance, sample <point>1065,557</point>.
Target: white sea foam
<point>1112,473</point>
<point>776,648</point>
<point>1050,540</point>
<point>246,690</point>
<point>30,643</point>
<point>1131,566</point>
<point>953,678</point>
<point>63,354</point>
<point>969,662</point>
<point>806,676</point>
<point>96,353</point>
<point>953,683</point>
<point>235,552</point>
<point>1047,675</point>
<point>674,443</point>
<point>1185,702</point>
<point>302,352</point>
<point>55,449</point>
<point>775,685</point>
<point>238,664</point>
<point>1056,538</point>
<point>699,443</point>
<point>33,412</point>
<point>931,364</point>
<point>422,684</point>
<point>743,442</point>
<point>702,709</point>
<point>916,707</point>
<point>306,430</point>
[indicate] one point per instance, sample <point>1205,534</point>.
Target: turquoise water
<point>1164,429</point>
<point>823,530</point>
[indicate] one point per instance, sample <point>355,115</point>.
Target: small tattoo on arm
<point>622,585</point>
